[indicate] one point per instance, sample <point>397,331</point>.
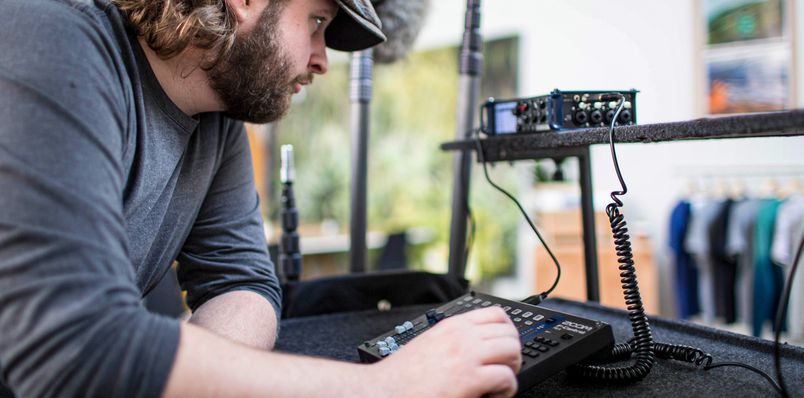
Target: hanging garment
<point>724,267</point>
<point>768,277</point>
<point>698,245</point>
<point>789,217</point>
<point>686,272</point>
<point>787,235</point>
<point>739,245</point>
<point>795,309</point>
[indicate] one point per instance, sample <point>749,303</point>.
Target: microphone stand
<point>290,259</point>
<point>471,65</point>
<point>361,85</point>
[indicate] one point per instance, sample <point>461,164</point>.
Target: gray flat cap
<point>356,27</point>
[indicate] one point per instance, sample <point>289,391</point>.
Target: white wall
<point>650,45</point>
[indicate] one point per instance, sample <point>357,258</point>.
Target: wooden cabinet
<point>562,230</point>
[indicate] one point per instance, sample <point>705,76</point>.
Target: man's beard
<point>255,82</point>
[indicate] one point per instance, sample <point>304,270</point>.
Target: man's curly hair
<point>170,26</point>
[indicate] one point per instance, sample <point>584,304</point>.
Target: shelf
<point>569,143</point>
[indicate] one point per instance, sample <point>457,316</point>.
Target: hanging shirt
<point>768,277</point>
<point>739,245</point>
<point>686,272</point>
<point>698,244</point>
<point>795,309</point>
<point>724,266</point>
<point>789,217</point>
<point>787,235</point>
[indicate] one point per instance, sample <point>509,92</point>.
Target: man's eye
<point>318,22</point>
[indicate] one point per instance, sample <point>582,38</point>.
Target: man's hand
<point>468,355</point>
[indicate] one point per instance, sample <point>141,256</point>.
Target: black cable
<point>541,296</point>
<point>751,368</point>
<point>780,314</point>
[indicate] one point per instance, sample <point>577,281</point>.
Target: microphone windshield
<point>401,22</point>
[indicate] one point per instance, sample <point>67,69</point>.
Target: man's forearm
<point>241,316</point>
<point>482,362</point>
<point>207,365</point>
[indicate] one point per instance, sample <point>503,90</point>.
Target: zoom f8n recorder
<point>550,340</point>
<point>560,110</point>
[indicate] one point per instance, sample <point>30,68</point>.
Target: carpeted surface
<point>337,336</point>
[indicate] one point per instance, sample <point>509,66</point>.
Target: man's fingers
<point>499,380</point>
<point>496,330</point>
<point>496,339</point>
<point>502,351</point>
<point>487,315</point>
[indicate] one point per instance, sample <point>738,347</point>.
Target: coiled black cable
<point>641,347</point>
<point>683,353</point>
<point>624,351</point>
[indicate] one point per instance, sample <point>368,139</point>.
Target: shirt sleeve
<point>226,250</point>
<point>71,322</point>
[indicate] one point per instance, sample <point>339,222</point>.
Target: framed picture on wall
<point>747,55</point>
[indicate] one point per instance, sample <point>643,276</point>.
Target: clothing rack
<point>737,171</point>
<point>738,180</point>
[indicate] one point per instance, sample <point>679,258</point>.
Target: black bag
<point>377,290</point>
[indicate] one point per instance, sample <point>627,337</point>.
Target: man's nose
<point>318,59</point>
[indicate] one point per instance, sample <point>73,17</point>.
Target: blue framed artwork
<point>747,55</point>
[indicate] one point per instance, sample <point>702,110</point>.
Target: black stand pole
<point>290,260</point>
<point>361,87</point>
<point>588,217</point>
<point>471,65</point>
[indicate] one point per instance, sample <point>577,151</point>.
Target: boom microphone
<point>401,22</point>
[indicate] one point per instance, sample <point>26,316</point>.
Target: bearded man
<point>122,149</point>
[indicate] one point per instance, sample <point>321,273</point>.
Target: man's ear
<point>240,9</point>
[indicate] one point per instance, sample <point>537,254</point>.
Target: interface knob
<point>430,315</point>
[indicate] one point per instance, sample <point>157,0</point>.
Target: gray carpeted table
<point>551,144</point>
<point>337,335</point>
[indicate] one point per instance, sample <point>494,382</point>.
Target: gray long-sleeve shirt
<point>103,183</point>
